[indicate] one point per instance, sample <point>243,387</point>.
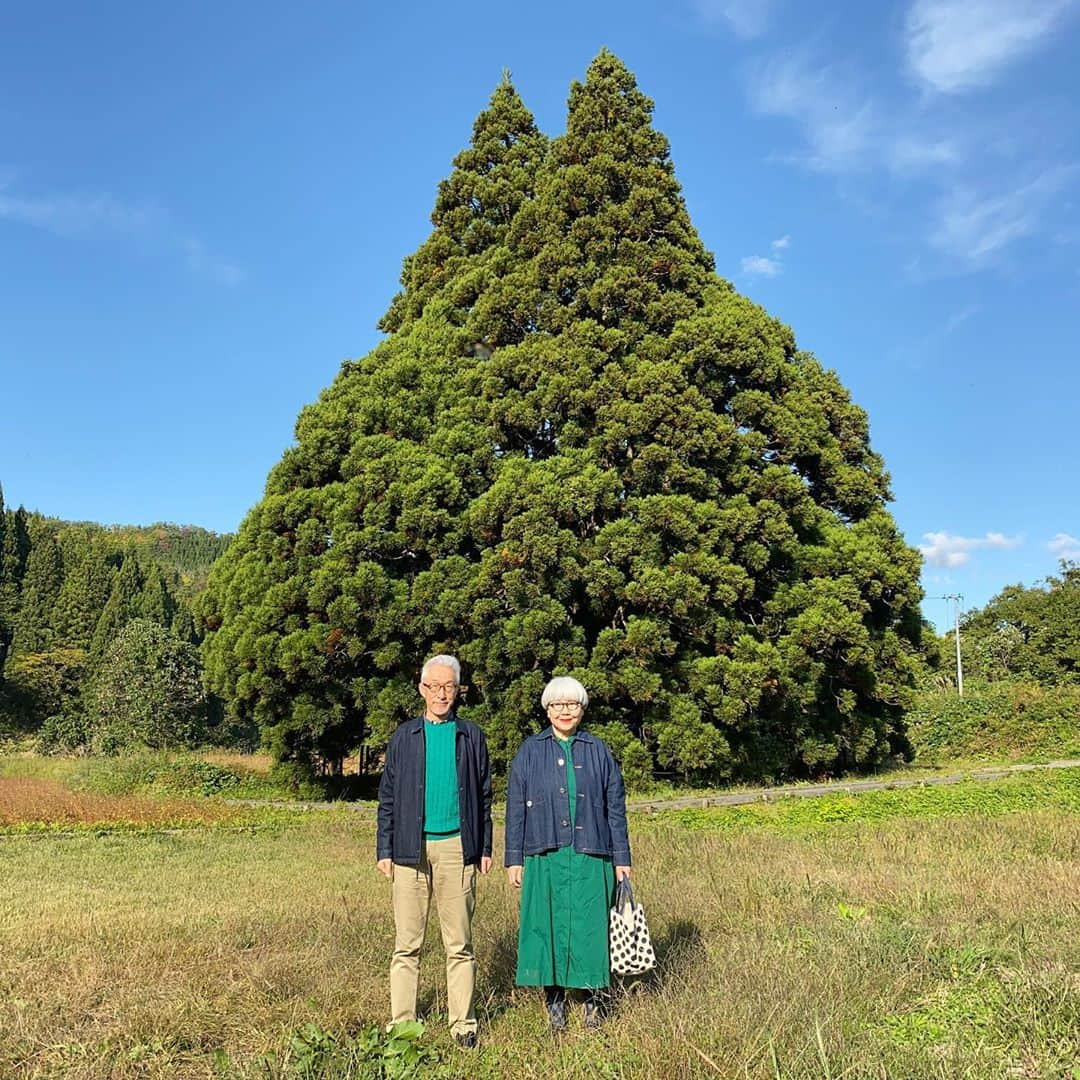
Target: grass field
<point>918,933</point>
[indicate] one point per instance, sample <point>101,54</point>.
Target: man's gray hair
<point>564,688</point>
<point>442,660</point>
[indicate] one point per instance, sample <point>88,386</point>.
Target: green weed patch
<point>1049,790</point>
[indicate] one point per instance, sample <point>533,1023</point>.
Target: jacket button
<point>562,791</point>
<point>528,802</point>
<point>562,761</point>
<point>566,823</point>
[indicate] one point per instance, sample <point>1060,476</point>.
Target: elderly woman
<point>566,845</point>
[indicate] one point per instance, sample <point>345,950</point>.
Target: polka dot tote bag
<point>631,950</point>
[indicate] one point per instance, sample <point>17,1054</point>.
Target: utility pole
<point>958,600</point>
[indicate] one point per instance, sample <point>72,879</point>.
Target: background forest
<point>98,646</point>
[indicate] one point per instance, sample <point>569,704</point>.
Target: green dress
<point>565,898</point>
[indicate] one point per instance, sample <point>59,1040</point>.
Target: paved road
<point>756,795</point>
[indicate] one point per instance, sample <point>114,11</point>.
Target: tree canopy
<point>579,451</point>
<point>1030,633</point>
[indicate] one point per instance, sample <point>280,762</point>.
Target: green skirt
<point>563,937</point>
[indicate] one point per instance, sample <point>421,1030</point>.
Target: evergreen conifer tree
<point>14,551</point>
<point>311,627</point>
<point>83,593</point>
<point>34,627</point>
<point>122,605</point>
<point>156,601</point>
<point>578,451</point>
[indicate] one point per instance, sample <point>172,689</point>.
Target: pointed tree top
<point>609,99</point>
<point>492,177</point>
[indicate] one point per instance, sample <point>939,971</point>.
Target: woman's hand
<point>513,875</point>
<point>386,868</point>
<point>622,872</point>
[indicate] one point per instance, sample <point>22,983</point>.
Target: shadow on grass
<point>678,951</point>
<point>497,987</point>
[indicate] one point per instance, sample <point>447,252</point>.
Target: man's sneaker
<point>466,1040</point>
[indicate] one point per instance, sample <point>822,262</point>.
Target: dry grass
<point>904,948</point>
<point>32,802</point>
<point>259,764</point>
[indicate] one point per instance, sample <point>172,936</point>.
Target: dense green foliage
<point>1030,633</point>
<point>578,450</point>
<point>996,721</point>
<point>67,590</point>
<point>147,691</point>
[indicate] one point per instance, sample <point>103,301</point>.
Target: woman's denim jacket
<point>537,806</point>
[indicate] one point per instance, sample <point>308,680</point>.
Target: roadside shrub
<point>147,692</point>
<point>66,733</point>
<point>1002,720</point>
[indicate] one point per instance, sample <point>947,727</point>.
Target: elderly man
<point>434,832</point>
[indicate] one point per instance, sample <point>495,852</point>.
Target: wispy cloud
<point>958,318</point>
<point>760,266</point>
<point>844,127</point>
<point>74,214</point>
<point>212,266</point>
<point>782,244</point>
<point>1065,546</point>
<point>944,549</point>
<point>836,124</point>
<point>976,187</point>
<point>746,18</point>
<point>958,45</point>
<point>68,214</point>
<point>976,226</point>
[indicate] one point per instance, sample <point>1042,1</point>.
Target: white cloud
<point>67,214</point>
<point>836,124</point>
<point>747,18</point>
<point>759,265</point>
<point>1065,546</point>
<point>957,45</point>
<point>72,214</point>
<point>977,186</point>
<point>944,549</point>
<point>845,129</point>
<point>781,244</point>
<point>976,226</point>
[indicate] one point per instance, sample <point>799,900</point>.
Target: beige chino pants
<point>442,871</point>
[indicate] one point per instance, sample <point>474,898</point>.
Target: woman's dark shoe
<point>555,997</point>
<point>593,1015</point>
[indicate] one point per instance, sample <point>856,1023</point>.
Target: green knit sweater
<point>442,812</point>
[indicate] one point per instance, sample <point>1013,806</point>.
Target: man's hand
<point>622,872</point>
<point>513,875</point>
<point>386,868</point>
<point>485,864</point>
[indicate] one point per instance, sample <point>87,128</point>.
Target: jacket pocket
<point>536,822</point>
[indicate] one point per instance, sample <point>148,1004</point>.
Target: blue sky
<point>204,207</point>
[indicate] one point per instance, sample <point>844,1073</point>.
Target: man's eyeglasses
<point>448,688</point>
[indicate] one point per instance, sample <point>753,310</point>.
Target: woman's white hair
<point>442,660</point>
<point>564,688</point>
